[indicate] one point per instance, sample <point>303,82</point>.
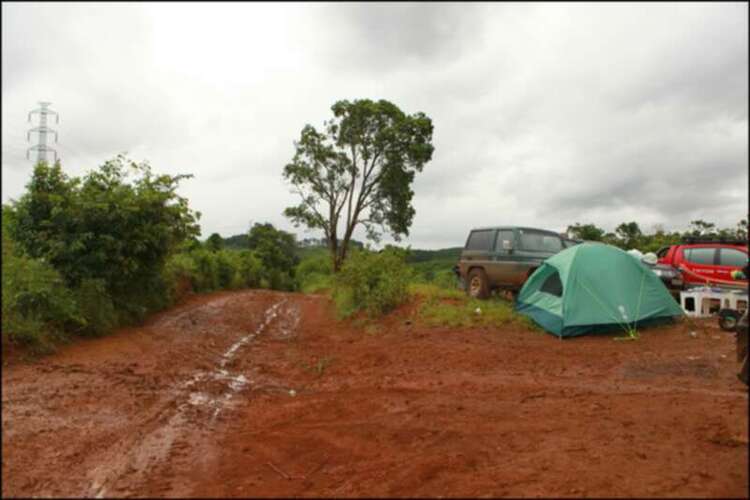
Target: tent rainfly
<point>595,287</point>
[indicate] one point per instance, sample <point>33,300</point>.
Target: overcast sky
<point>545,114</point>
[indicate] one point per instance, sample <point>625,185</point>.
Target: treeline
<point>629,235</point>
<point>241,242</point>
<point>84,255</point>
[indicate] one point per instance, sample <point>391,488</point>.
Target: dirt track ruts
<point>197,402</point>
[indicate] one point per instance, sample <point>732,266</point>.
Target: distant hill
<point>443,258</point>
<point>451,254</point>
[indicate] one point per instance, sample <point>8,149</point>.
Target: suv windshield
<point>540,242</point>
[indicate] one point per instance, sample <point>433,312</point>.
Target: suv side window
<point>504,240</point>
<point>479,240</point>
<point>540,242</point>
<point>700,255</point>
<point>732,257</point>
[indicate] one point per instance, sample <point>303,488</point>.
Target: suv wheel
<point>478,285</point>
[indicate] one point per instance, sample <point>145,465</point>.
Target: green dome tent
<point>594,287</point>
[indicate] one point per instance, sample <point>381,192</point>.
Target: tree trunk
<point>333,246</point>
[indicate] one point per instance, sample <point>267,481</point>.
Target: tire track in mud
<point>132,413</point>
<point>195,405</point>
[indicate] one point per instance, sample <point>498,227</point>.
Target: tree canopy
<point>118,223</point>
<point>359,168</point>
<point>277,250</point>
<point>629,235</point>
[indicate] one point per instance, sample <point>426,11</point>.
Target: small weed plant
<point>319,367</point>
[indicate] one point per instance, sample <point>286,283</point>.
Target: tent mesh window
<point>552,285</point>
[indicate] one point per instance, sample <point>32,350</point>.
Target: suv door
<point>501,270</point>
<point>476,253</point>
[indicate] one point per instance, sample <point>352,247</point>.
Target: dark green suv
<point>502,258</point>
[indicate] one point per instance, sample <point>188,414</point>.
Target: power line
<point>42,130</point>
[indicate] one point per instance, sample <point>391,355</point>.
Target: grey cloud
<point>544,114</point>
<point>388,36</point>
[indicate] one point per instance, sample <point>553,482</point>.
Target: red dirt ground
<point>197,403</point>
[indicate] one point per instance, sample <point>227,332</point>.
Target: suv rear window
<point>479,240</point>
<point>700,255</point>
<point>732,257</point>
<point>541,242</point>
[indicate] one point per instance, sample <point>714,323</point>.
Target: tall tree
<point>277,251</point>
<point>740,231</point>
<point>701,228</point>
<point>629,234</point>
<point>587,232</point>
<point>360,168</point>
<point>215,242</point>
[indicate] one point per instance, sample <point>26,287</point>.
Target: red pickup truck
<point>707,261</point>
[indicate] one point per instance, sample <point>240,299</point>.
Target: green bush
<point>249,269</point>
<point>118,223</point>
<point>226,270</point>
<point>37,307</point>
<point>140,298</point>
<point>87,254</point>
<point>277,251</point>
<point>206,276</point>
<point>315,273</point>
<point>96,307</point>
<point>180,273</point>
<point>372,282</point>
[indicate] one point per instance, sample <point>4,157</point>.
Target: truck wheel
<point>728,319</point>
<point>478,284</point>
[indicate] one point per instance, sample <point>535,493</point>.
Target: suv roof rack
<point>714,239</point>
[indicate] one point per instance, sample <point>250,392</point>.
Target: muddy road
<point>257,393</point>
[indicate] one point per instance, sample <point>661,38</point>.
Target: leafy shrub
<point>85,255</point>
<point>277,251</point>
<point>226,270</point>
<point>206,276</point>
<point>249,269</point>
<point>140,298</point>
<point>315,273</point>
<point>118,223</point>
<point>372,282</point>
<point>180,273</point>
<point>37,307</point>
<point>96,307</point>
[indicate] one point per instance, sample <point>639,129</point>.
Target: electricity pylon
<point>41,147</point>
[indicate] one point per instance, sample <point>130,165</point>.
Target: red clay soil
<point>258,393</point>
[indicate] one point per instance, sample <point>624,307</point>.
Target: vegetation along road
<point>264,393</point>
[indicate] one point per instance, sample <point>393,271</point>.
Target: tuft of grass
<point>453,308</point>
<point>317,283</point>
<point>433,291</point>
<point>319,367</point>
<point>373,329</point>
